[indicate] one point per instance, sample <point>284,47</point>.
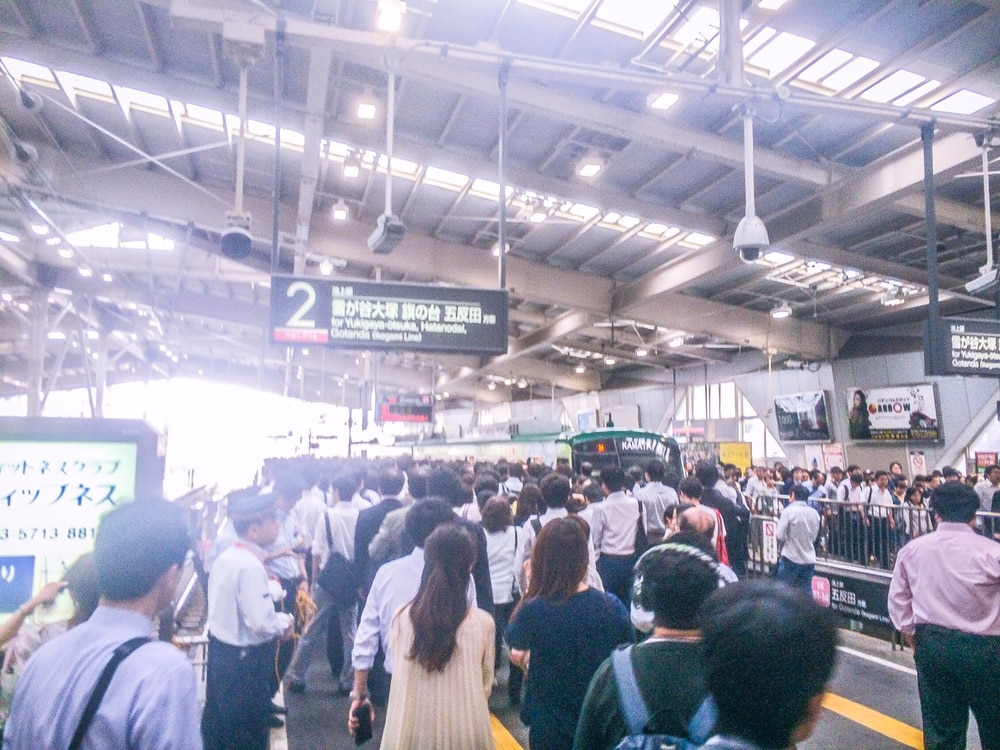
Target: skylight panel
<point>757,41</point>
<point>156,242</point>
<point>400,167</point>
<point>258,129</point>
<point>567,8</point>
<point>771,4</point>
<point>781,52</point>
<point>661,102</point>
<point>21,69</point>
<point>129,97</point>
<point>825,65</point>
<point>703,25</point>
<point>336,148</point>
<point>963,102</point>
<point>486,189</point>
<point>853,72</point>
<point>583,211</point>
<point>629,222</point>
<point>893,86</point>
<point>74,84</point>
<point>778,258</point>
<point>638,16</point>
<point>445,179</point>
<point>698,239</point>
<point>917,93</point>
<point>9,237</point>
<point>105,235</point>
<point>292,138</point>
<point>203,115</point>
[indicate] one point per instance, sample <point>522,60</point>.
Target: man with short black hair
<point>614,531</point>
<point>771,637</point>
<point>656,497</point>
<point>798,527</point>
<point>945,599</point>
<point>555,490</point>
<point>708,474</point>
<point>151,703</point>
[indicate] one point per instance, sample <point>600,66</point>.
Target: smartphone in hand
<point>363,714</point>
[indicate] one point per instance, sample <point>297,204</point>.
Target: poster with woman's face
<point>896,413</point>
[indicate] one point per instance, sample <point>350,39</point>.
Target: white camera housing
<point>988,276</point>
<point>750,239</point>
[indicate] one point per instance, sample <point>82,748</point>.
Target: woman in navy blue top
<point>564,630</point>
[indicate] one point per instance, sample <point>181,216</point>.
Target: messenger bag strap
<point>633,706</point>
<point>101,688</point>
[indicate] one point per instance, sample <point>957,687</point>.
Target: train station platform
<point>872,704</point>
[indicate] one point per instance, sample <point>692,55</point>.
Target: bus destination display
<point>368,315</point>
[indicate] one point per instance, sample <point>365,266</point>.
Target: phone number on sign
<point>48,532</point>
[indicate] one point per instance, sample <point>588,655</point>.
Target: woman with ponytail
<point>439,692</point>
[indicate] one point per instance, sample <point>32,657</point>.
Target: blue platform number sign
<point>17,575</point>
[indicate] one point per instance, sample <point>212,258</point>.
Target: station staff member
<point>945,599</point>
<point>243,627</point>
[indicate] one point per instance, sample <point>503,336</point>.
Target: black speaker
<point>236,243</point>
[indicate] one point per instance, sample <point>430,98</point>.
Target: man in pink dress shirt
<point>945,599</point>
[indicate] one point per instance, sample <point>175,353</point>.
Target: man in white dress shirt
<point>656,497</point>
<point>243,627</point>
<point>614,531</point>
<point>151,704</point>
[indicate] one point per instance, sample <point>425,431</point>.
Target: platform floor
<point>872,705</point>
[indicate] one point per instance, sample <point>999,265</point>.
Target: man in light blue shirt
<point>798,528</point>
<point>151,702</point>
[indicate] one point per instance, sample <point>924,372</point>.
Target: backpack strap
<point>536,524</point>
<point>101,688</point>
<point>702,724</point>
<point>633,706</point>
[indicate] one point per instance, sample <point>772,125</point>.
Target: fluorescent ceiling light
<point>65,253</point>
<point>339,211</point>
<point>641,351</point>
<point>352,167</point>
<point>522,383</point>
<point>589,166</point>
<point>538,217</point>
<point>893,298</point>
<point>580,369</point>
<point>9,237</point>
<point>496,249</point>
<point>893,86</point>
<point>675,342</point>
<point>661,102</point>
<point>390,15</point>
<point>492,385</point>
<point>781,311</point>
<point>781,52</point>
<point>57,336</point>
<point>963,102</point>
<point>107,277</point>
<point>610,361</point>
<point>86,272</point>
<point>326,267</point>
<point>771,4</point>
<point>40,229</point>
<point>366,111</point>
<point>851,73</point>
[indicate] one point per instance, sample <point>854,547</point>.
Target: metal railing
<point>860,534</point>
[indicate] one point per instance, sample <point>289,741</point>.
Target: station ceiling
<point>119,164</point>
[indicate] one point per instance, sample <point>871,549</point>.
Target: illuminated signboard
<point>802,417</point>
<point>898,413</point>
<point>406,408</point>
<point>387,316</point>
<point>57,478</point>
<point>968,347</point>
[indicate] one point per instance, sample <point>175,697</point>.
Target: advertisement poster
<point>833,455</point>
<point>53,494</point>
<point>802,417</point>
<point>737,454</point>
<point>898,413</point>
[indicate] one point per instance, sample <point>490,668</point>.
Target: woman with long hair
<point>561,631</point>
<point>858,420</point>
<point>440,688</point>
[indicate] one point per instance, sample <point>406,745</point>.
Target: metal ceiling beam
<point>320,63</point>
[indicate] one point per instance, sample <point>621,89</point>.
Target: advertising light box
<point>410,407</point>
<point>55,485</point>
<point>387,316</point>
<point>802,417</point>
<point>905,413</point>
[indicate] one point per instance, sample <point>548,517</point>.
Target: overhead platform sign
<point>387,316</point>
<point>967,346</point>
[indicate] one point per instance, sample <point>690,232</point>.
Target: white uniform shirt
<point>614,524</point>
<point>501,551</point>
<point>240,607</point>
<point>307,512</point>
<point>985,490</point>
<point>881,498</point>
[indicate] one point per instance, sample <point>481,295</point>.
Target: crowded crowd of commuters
<point>593,596</point>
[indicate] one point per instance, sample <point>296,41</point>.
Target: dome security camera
<point>750,239</point>
<point>236,241</point>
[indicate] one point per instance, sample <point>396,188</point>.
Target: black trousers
<point>237,696</point>
<point>616,575</point>
<point>957,672</point>
<point>285,649</point>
